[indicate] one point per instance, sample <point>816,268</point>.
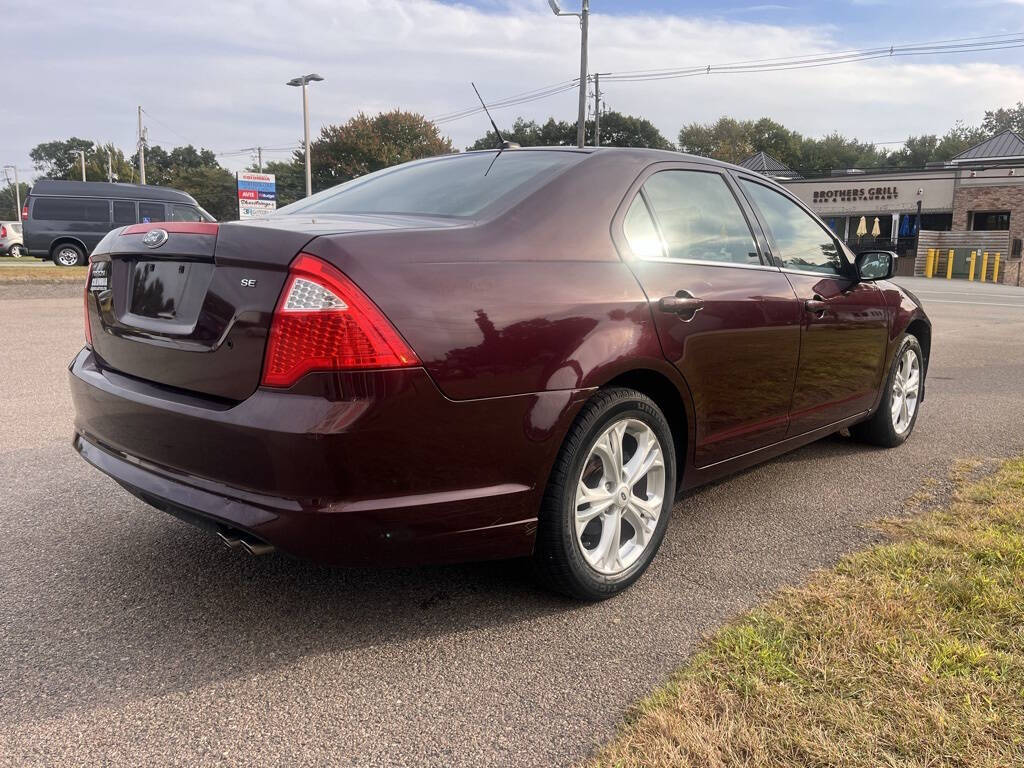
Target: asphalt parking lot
<point>131,638</point>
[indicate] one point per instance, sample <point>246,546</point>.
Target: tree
<point>59,159</point>
<point>9,202</point>
<point>365,144</point>
<point>289,178</point>
<point>1004,118</point>
<point>617,130</point>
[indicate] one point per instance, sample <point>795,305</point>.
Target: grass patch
<point>907,654</point>
<point>18,274</point>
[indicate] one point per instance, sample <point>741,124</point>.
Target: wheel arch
<point>921,330</point>
<point>673,402</point>
<point>67,240</point>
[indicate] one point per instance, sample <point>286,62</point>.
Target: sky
<point>213,73</point>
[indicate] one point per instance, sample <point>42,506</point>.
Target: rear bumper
<point>365,468</point>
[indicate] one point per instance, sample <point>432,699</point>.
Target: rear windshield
<point>456,185</point>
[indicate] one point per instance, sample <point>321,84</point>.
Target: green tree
<point>365,144</point>
<point>9,202</point>
<point>289,178</point>
<point>59,159</point>
<point>1004,118</point>
<point>617,130</point>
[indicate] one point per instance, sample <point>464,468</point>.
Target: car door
<point>726,319</point>
<point>844,323</point>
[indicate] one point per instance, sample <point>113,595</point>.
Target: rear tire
<point>608,501</point>
<point>16,251</point>
<point>68,255</point>
<point>896,416</point>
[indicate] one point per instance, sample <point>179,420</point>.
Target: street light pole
<point>17,190</point>
<point>304,82</point>
<point>81,156</point>
<point>584,16</point>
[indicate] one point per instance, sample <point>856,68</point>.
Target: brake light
<point>323,322</point>
<point>3,231</point>
<point>24,212</point>
<point>85,302</point>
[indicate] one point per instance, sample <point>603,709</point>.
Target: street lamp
<point>584,16</point>
<point>304,81</point>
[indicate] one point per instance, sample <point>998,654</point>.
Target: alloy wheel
<point>619,496</point>
<point>906,387</point>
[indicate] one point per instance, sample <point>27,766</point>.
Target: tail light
<point>323,322</point>
<point>85,302</point>
<point>3,231</point>
<point>24,212</point>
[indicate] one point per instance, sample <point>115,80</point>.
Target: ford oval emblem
<point>155,238</point>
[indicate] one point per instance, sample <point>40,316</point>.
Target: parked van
<point>64,220</point>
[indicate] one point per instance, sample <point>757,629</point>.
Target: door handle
<point>816,306</point>
<point>683,303</point>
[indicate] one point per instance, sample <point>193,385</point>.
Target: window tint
<point>70,209</point>
<point>185,213</point>
<point>640,231</point>
<point>124,212</point>
<point>460,185</point>
<point>800,241</point>
<point>699,218</point>
<point>151,212</point>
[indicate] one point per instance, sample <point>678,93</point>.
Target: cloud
<point>214,73</point>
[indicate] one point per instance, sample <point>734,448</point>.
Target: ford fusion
<point>527,352</point>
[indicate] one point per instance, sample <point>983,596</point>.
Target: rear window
<point>71,209</point>
<point>458,185</point>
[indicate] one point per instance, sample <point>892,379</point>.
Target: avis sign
<point>257,195</point>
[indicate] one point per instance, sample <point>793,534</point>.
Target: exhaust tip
<point>238,540</point>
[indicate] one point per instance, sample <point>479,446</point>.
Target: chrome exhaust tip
<point>238,540</point>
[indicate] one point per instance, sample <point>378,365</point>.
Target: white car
<point>11,243</point>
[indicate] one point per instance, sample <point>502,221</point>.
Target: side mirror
<point>876,265</point>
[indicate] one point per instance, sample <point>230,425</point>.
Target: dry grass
<point>908,654</point>
<point>18,274</point>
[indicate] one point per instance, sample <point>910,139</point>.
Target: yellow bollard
<point>949,266</point>
<point>929,264</point>
<point>995,269</point>
<point>984,265</point>
<point>974,260</point>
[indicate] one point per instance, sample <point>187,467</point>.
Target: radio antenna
<point>502,144</point>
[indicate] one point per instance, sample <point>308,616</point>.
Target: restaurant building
<point>974,202</point>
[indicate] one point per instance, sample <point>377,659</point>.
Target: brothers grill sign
<point>855,194</point>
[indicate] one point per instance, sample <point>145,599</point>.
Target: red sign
<point>248,194</point>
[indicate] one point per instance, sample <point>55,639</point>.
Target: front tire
<point>68,255</point>
<point>609,498</point>
<point>894,420</point>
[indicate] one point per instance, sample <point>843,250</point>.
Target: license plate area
<point>157,288</point>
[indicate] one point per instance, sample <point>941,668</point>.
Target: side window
<point>802,243</point>
<point>699,218</point>
<point>71,209</point>
<point>151,212</point>
<point>640,231</point>
<point>124,212</point>
<point>184,213</point>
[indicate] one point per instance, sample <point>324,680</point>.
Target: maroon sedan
<point>487,355</point>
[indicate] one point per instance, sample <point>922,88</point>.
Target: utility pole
<point>110,166</point>
<point>584,24</point>
<point>259,159</point>
<point>17,189</point>
<point>81,156</point>
<point>597,109</point>
<point>584,15</point>
<point>142,150</point>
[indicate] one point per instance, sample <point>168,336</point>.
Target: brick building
<point>974,202</point>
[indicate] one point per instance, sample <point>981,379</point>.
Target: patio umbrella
<point>875,230</point>
<point>862,227</point>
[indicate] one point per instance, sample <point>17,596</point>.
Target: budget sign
<point>257,194</point>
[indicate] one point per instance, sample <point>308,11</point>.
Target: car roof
<point>56,188</point>
<point>643,154</point>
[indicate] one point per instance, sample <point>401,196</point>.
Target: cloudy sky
<point>213,73</point>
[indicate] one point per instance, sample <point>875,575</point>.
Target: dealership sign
<point>257,195</point>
